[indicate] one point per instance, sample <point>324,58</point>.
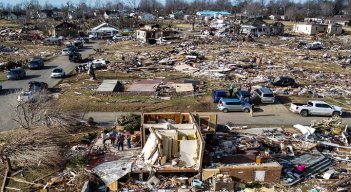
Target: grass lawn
<point>3,76</point>
<point>9,24</point>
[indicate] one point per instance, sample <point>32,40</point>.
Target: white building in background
<point>314,28</point>
<point>146,17</point>
<point>103,30</point>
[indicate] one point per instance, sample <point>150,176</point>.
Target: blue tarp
<point>211,13</point>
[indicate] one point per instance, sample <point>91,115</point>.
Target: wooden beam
<point>7,172</point>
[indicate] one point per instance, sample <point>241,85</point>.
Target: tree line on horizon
<point>293,9</point>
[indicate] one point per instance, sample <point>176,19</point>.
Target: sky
<point>59,2</point>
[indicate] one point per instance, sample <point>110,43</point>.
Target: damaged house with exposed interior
<point>172,144</point>
<point>318,28</point>
<point>258,27</point>
<point>153,33</point>
<point>65,29</point>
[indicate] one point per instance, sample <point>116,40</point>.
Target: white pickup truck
<point>316,108</point>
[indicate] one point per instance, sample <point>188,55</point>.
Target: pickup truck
<point>316,108</point>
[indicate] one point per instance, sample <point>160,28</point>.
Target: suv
<point>264,95</point>
<point>233,104</point>
<point>66,51</point>
<point>17,73</point>
<point>283,81</point>
<point>37,63</point>
<point>217,94</point>
<point>72,48</point>
<point>78,44</point>
<point>244,96</point>
<point>75,57</point>
<point>37,86</point>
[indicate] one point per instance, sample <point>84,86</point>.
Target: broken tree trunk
<point>7,172</point>
<point>342,181</point>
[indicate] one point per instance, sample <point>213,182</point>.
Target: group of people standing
<point>80,69</point>
<point>117,139</point>
<point>233,89</point>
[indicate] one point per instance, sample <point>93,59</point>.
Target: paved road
<point>267,115</point>
<point>10,88</point>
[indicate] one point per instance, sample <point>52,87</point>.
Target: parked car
<point>66,51</point>
<point>0,85</point>
<point>315,46</point>
<point>316,108</point>
<point>17,73</point>
<point>283,81</point>
<point>54,40</point>
<point>36,63</point>
<point>92,36</point>
<point>75,57</point>
<point>217,94</point>
<point>100,63</point>
<point>37,86</point>
<point>233,104</point>
<point>78,44</point>
<point>83,39</point>
<point>264,95</point>
<point>58,72</point>
<point>72,48</point>
<point>25,96</point>
<point>244,96</point>
<point>117,37</point>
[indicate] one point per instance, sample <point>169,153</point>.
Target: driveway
<point>11,88</point>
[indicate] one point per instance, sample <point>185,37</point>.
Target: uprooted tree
<point>37,147</point>
<point>39,140</point>
<point>38,113</point>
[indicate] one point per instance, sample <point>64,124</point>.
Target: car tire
<point>304,113</point>
<point>336,114</point>
<point>225,110</point>
<point>246,110</point>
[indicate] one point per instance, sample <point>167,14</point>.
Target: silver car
<point>233,104</point>
<point>58,72</point>
<point>264,95</point>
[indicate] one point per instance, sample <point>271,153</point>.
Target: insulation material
<point>150,147</point>
<point>188,150</point>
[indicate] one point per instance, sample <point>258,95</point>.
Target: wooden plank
<point>7,172</point>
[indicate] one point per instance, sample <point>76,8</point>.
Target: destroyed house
<point>15,15</point>
<point>111,14</point>
<point>344,21</point>
<point>66,29</point>
<point>173,142</point>
<point>150,34</point>
<point>46,13</point>
<point>255,27</point>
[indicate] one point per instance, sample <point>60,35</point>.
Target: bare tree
<point>132,4</point>
<point>223,5</point>
<point>253,8</point>
<point>292,12</point>
<point>29,114</point>
<point>327,9</point>
<point>150,6</point>
<point>48,5</point>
